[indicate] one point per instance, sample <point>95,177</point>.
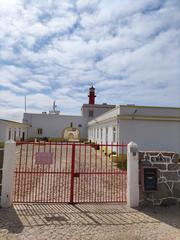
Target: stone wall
<point>1,168</point>
<point>168,178</point>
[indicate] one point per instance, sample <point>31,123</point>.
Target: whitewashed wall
<point>98,109</point>
<point>149,111</point>
<point>108,125</point>
<point>162,132</point>
<point>53,125</point>
<point>151,135</point>
<point>6,126</point>
<point>2,131</point>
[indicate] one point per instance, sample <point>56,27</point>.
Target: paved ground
<point>89,222</point>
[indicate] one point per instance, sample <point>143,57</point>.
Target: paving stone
<point>89,222</point>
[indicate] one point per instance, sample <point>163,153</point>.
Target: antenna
<point>25,103</point>
<point>91,83</point>
<point>54,106</point>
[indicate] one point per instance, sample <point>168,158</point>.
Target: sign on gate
<point>44,158</point>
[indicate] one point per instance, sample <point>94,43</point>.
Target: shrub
<point>1,144</point>
<point>31,139</point>
<point>122,165</point>
<point>83,140</point>
<point>56,140</point>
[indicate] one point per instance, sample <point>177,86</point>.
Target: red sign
<point>44,158</point>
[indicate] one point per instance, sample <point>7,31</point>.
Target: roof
<point>52,115</point>
<point>137,106</point>
<point>14,122</point>
<point>99,105</point>
<point>133,112</point>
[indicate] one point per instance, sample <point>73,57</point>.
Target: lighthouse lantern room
<point>92,95</point>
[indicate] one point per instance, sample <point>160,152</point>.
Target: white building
<point>152,128</point>
<point>56,125</point>
<point>12,130</point>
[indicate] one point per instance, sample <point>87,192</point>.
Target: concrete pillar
<point>8,173</point>
<point>132,175</point>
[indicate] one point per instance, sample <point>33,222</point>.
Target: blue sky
<point>54,49</point>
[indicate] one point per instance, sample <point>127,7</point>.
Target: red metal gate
<point>70,173</point>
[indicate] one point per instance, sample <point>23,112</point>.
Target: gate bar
<point>72,175</point>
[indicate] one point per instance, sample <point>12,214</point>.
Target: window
<point>15,134</point>
<point>19,132</point>
<point>9,136</point>
<point>95,133</point>
<point>39,131</point>
<point>91,113</point>
<point>79,125</point>
<point>107,134</point>
<point>98,133</point>
<point>114,134</point>
<point>101,133</point>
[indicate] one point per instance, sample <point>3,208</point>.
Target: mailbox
<point>149,179</point>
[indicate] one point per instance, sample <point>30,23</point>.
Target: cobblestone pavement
<point>89,221</point>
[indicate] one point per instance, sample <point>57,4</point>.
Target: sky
<point>56,49</point>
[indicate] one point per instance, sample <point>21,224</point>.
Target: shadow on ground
<point>10,221</point>
<point>167,214</point>
<point>19,216</point>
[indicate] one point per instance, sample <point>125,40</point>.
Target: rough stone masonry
<point>167,165</point>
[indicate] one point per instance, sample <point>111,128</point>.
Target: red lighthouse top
<point>92,95</point>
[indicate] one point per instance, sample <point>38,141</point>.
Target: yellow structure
<point>71,134</point>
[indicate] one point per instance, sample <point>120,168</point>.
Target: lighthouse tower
<point>92,95</point>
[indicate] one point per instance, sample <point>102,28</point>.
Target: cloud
<point>54,50</point>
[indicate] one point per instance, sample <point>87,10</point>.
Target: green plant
<point>83,140</point>
<point>56,140</point>
<point>112,153</point>
<point>31,139</point>
<point>1,144</point>
<point>122,165</point>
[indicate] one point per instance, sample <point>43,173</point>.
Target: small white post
<point>8,173</point>
<point>132,175</point>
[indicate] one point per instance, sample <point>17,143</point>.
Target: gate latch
<point>76,174</point>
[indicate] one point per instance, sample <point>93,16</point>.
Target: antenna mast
<point>25,104</point>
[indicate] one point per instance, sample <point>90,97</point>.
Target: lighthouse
<point>92,95</point>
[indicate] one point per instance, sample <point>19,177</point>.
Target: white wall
<point>2,131</point>
<point>160,132</point>
<point>151,135</point>
<point>98,109</point>
<point>5,126</point>
<point>53,125</point>
<point>103,126</point>
<point>149,111</point>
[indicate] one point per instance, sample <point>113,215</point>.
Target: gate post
<point>132,175</point>
<point>8,173</point>
<point>72,175</point>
